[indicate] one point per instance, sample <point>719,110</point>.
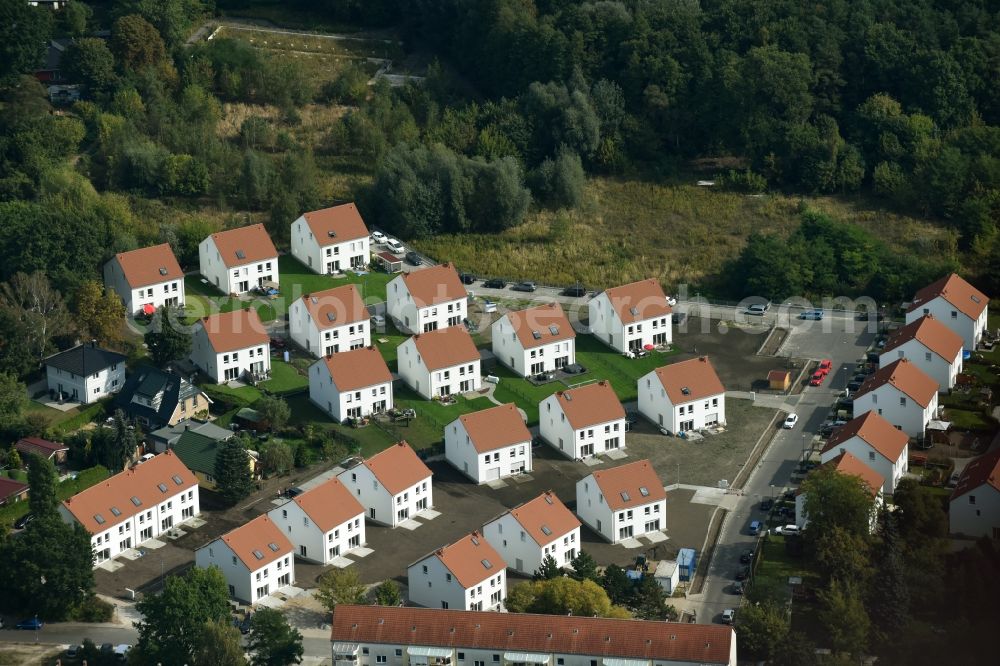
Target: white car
<point>790,421</point>
<point>728,615</point>
<point>787,530</point>
<point>378,320</point>
<point>395,246</point>
<point>671,301</point>
<point>378,237</point>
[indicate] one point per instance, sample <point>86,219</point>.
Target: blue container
<point>687,563</point>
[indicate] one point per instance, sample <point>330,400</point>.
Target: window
<point>496,658</point>
<point>927,356</point>
<point>380,659</point>
<point>399,652</point>
<point>902,402</point>
<point>424,568</point>
<point>364,650</point>
<point>954,314</point>
<point>972,499</point>
<point>871,455</point>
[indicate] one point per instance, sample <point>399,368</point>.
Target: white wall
<point>325,395</point>
<point>891,471</point>
<point>90,388</point>
<point>431,585</point>
<point>246,585</point>
<point>976,513</point>
<point>503,462</point>
<point>170,292</point>
<point>521,552</point>
<point>444,381</point>
<point>387,508</point>
<point>942,371</point>
<point>328,341</point>
<point>655,405</point>
<point>333,258</point>
<point>250,359</point>
<point>593,510</point>
<point>312,544</point>
<point>411,319</point>
<point>971,330</point>
<point>608,327</point>
<point>910,417</point>
<point>508,350</point>
<point>555,429</point>
<point>228,280</point>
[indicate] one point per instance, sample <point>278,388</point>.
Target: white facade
<point>943,371</point>
<point>615,526</point>
<point>483,466</point>
<point>578,443</point>
<point>510,351</point>
<point>431,585</point>
<point>234,279</point>
<point>439,382</point>
<point>436,306</point>
<point>328,257</point>
<point>88,389</point>
<point>897,408</point>
<point>225,366</point>
<point>136,299</point>
<point>520,550</point>
<point>971,330</point>
<point>313,543</point>
<point>327,340</point>
<point>976,513</point>
<point>355,403</point>
<point>655,405</point>
<point>641,329</point>
<point>891,470</point>
<point>383,507</point>
<point>244,584</point>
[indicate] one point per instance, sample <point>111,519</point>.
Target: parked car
<point>738,587</point>
<point>854,385</point>
<point>378,320</point>
<point>815,315</point>
<point>107,649</point>
<point>121,652</point>
<point>494,283</point>
<point>73,651</point>
<point>728,616</point>
<point>766,504</point>
<point>817,378</point>
<point>414,258</point>
<point>742,573</point>
<point>746,557</point>
<point>953,480</point>
<point>788,530</point>
<point>525,286</point>
<point>23,521</point>
<point>378,237</point>
<point>278,343</point>
<point>491,379</point>
<point>244,624</point>
<point>755,527</point>
<point>575,291</point>
<point>790,421</point>
<point>395,246</point>
<point>467,278</point>
<point>30,623</point>
<point>826,365</point>
<point>574,369</point>
<point>758,309</point>
<point>293,492</point>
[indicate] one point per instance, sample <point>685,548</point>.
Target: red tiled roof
<point>335,307</point>
<point>906,377</point>
<point>343,222</point>
<point>629,479</point>
<point>39,446</point>
<point>932,334</point>
<point>534,326</point>
<point>984,470</point>
<point>445,347</point>
<point>11,487</point>
<point>245,245</point>
<point>398,468</point>
<point>471,559</point>
<point>433,285</point>
<point>639,301</point>
<point>232,331</point>
<point>590,404</point>
<point>330,504</point>
<point>258,543</point>
<point>952,288</point>
<point>876,431</point>
<point>689,380</point>
<point>149,265</point>
<point>357,369</point>
<point>141,482</point>
<point>846,463</point>
<point>705,644</point>
<point>495,427</point>
<point>545,512</point>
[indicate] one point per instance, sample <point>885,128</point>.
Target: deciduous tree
<point>24,35</point>
<point>89,61</point>
<point>276,457</point>
<point>218,644</point>
<point>559,596</point>
<point>31,300</point>
<point>845,618</point>
<point>136,43</point>
<point>760,628</point>
<point>166,338</point>
<point>388,594</point>
<point>836,500</point>
<point>13,399</point>
<point>272,641</point>
<point>100,313</point>
<point>274,410</point>
<point>340,586</point>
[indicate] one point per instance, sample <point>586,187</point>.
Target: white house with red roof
<point>330,321</point>
<point>536,340</point>
<point>902,393</point>
<point>932,346</point>
<point>530,532</point>
<point>440,363</point>
<point>427,299</point>
<point>368,635</point>
<point>134,506</point>
<point>237,261</point>
<point>846,463</point>
<point>229,345</point>
<point>351,384</point>
<point>584,421</point>
<point>146,279</point>
<point>974,507</point>
<point>490,444</point>
<point>623,502</point>
<point>956,304</point>
<point>632,316</point>
<point>876,442</point>
<point>256,559</point>
<point>683,396</point>
<point>331,240</point>
<point>467,575</point>
<point>324,523</point>
<point>393,485</point>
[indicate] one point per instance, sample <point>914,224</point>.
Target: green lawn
<point>523,393</point>
<point>967,419</point>
<point>771,577</point>
<point>285,378</point>
<point>66,489</point>
<point>246,395</point>
<point>393,338</point>
<point>202,300</point>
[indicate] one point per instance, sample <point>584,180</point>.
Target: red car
<point>825,366</point>
<point>817,378</point>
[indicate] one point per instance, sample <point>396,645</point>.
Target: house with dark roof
<point>490,444</point>
<point>146,279</point>
<point>468,575</point>
<point>368,635</point>
<point>12,490</point>
<point>331,240</point>
<point>230,345</point>
<point>902,393</point>
<point>584,421</point>
<point>876,442</point>
<point>536,340</point>
<point>324,523</point>
<point>956,304</point>
<point>440,363</point>
<point>330,321</point>
<point>85,373</point>
<point>164,438</point>
<point>256,559</point>
<point>54,451</point>
<point>240,260</point>
<point>624,502</point>
<point>160,398</point>
<point>393,485</point>
<point>683,396</point>
<point>932,346</point>
<point>974,506</point>
<point>351,384</point>
<point>198,452</point>
<point>632,317</point>
<point>539,528</point>
<point>849,465</point>
<point>427,299</point>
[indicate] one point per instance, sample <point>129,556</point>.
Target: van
<point>758,309</point>
<point>395,246</point>
<point>491,379</point>
<point>755,527</point>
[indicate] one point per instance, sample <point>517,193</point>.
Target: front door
<point>635,345</point>
<point>230,374</point>
<point>402,514</point>
<point>586,450</point>
<point>465,386</point>
<point>242,286</point>
<point>302,551</point>
<point>625,532</point>
<point>371,513</point>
